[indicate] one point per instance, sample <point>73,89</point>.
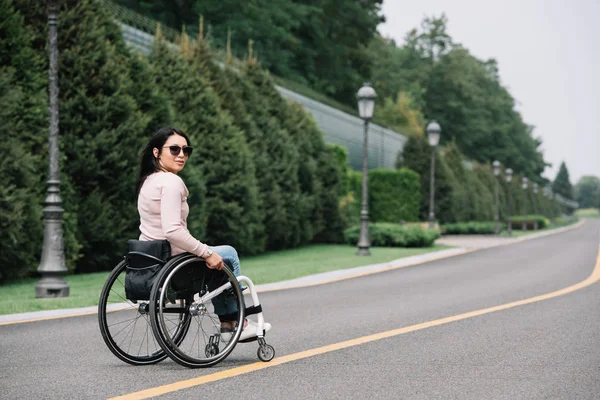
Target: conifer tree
<point>416,155</point>
<point>24,113</point>
<point>562,184</point>
<point>283,154</point>
<point>225,83</point>
<point>221,152</point>
<point>255,129</point>
<point>104,119</point>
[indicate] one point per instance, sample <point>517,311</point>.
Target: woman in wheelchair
<point>163,209</point>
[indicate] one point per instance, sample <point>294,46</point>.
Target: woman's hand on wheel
<point>214,261</point>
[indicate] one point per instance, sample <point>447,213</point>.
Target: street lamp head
<point>524,180</point>
<point>433,133</point>
<point>508,173</point>
<point>496,164</point>
<point>366,101</point>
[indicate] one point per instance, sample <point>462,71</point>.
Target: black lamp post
<point>52,265</point>
<point>366,104</point>
<point>496,165</point>
<point>524,208</point>
<point>535,210</point>
<point>433,134</point>
<point>508,174</point>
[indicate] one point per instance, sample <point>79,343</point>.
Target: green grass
<point>19,296</point>
<point>588,213</point>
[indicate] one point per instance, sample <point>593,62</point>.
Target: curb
<point>305,281</point>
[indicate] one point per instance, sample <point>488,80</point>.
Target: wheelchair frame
<point>188,304</point>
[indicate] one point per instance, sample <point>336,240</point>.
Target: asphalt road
<point>549,349</point>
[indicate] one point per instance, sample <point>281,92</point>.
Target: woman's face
<point>168,161</point>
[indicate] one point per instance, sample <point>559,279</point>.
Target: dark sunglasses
<point>175,150</point>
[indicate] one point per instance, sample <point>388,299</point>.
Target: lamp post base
<point>431,220</point>
<point>51,286</point>
<point>363,251</point>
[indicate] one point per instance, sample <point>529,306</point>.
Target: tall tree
<point>282,154</point>
<point>562,184</point>
<point>587,192</point>
<point>103,123</point>
<point>23,115</point>
<point>23,94</point>
<point>402,115</point>
<point>319,42</point>
<point>332,53</point>
<point>229,206</point>
<point>417,157</point>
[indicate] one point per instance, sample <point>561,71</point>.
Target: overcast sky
<point>548,54</point>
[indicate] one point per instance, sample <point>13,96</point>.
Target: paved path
<point>486,241</point>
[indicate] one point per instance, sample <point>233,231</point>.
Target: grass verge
<point>19,296</point>
<point>588,213</point>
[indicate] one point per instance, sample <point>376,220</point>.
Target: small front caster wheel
<point>211,350</point>
<point>265,353</point>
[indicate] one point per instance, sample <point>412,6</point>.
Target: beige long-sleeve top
<point>163,209</point>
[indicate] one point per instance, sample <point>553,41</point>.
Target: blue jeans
<point>225,303</point>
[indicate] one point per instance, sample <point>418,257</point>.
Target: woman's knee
<point>230,255</point>
<point>231,250</point>
<point>226,251</point>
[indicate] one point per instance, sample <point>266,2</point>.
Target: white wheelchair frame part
<point>210,295</point>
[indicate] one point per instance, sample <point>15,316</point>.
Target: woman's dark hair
<point>149,163</point>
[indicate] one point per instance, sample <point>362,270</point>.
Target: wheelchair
<point>176,319</point>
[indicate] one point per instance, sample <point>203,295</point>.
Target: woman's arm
<point>171,200</point>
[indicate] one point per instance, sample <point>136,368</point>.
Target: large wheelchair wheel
<point>184,287</point>
<point>125,325</point>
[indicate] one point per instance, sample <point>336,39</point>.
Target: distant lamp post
<point>52,265</point>
<point>496,165</point>
<point>524,221</point>
<point>535,210</point>
<point>366,104</point>
<point>433,134</point>
<point>508,174</point>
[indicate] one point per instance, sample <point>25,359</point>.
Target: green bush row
<point>472,227</point>
<point>394,235</point>
<point>529,220</point>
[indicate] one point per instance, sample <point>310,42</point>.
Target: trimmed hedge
<point>471,227</point>
<point>394,235</point>
<point>394,195</point>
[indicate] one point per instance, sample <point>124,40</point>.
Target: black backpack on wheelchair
<point>144,261</point>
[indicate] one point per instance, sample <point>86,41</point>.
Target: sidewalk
<point>463,244</point>
<point>486,241</point>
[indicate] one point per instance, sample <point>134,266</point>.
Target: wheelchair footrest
<point>253,310</point>
<point>249,311</point>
